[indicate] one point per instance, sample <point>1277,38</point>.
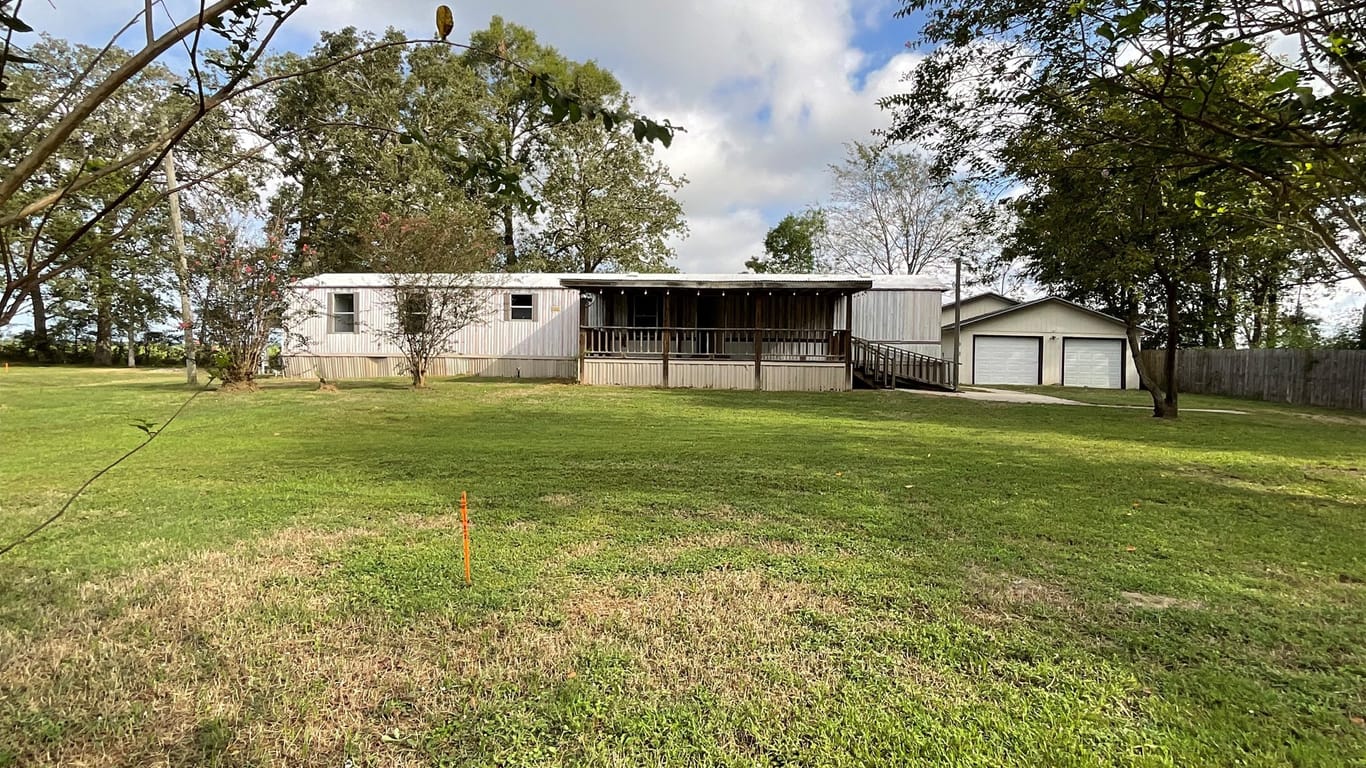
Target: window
<point>521,306</point>
<point>413,311</point>
<point>342,313</point>
<point>645,311</point>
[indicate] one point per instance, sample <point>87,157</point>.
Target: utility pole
<point>957,317</point>
<point>178,239</point>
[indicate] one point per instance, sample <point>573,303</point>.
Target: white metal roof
<point>380,280</point>
<point>552,279</point>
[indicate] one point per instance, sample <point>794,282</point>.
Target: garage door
<point>1093,363</point>
<point>1005,359</point>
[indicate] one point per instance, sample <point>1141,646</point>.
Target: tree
<point>889,214</point>
<point>1126,227</point>
<point>512,129</point>
<point>242,281</point>
<point>216,78</point>
<point>432,269</point>
<point>790,246</point>
<point>606,205</point>
<point>1002,63</point>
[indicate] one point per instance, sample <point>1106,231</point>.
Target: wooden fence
<point>1332,378</point>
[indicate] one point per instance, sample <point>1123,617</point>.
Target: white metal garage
<point>1093,363</point>
<point>1006,359</point>
<point>1048,341</point>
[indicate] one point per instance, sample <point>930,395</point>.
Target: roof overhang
<point>837,283</point>
<point>1020,307</point>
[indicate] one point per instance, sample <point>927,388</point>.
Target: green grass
<point>674,578</point>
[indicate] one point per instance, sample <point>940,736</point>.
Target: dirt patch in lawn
<point>735,633</point>
<point>1001,596</point>
<point>1156,602</point>
<point>227,656</point>
<point>558,500</point>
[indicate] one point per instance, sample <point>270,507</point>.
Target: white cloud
<point>712,66</point>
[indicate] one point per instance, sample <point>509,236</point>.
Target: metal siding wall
<point>709,375</point>
<point>897,316</point>
<point>554,332</point>
<point>623,373</point>
<point>802,377</point>
<point>374,367</point>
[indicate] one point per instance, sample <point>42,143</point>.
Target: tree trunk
<point>42,343</point>
<point>1145,374</point>
<point>509,239</point>
<point>1167,409</point>
<point>132,346</point>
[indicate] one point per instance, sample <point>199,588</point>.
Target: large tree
<point>998,64</point>
<point>607,204</point>
<point>790,246</point>
<point>1130,228</point>
<point>512,128</point>
<point>890,214</point>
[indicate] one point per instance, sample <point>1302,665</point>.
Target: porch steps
<point>883,366</point>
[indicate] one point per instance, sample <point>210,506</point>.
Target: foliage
<point>432,269</point>
<point>780,609</point>
<point>429,128</point>
<point>890,214</point>
<point>1000,64</point>
<point>606,204</point>
<point>244,301</point>
<point>217,79</point>
<point>790,246</point>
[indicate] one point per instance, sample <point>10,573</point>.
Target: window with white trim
<point>341,313</point>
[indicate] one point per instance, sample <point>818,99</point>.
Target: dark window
<point>414,308</point>
<point>522,306</point>
<point>343,313</point>
<point>644,311</point>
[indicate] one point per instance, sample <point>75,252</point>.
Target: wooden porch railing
<point>883,365</point>
<point>771,344</point>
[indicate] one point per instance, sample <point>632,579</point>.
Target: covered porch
<point>786,332</point>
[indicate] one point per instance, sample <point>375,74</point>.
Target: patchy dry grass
<point>711,578</point>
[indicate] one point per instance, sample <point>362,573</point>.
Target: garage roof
<point>1026,305</point>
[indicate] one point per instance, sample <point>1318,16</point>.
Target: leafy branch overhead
<point>40,185</point>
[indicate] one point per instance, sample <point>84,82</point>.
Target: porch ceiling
<point>840,283</point>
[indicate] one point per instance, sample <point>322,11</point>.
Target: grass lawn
<point>673,578</point>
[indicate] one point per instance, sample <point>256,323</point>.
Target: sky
<point>768,91</point>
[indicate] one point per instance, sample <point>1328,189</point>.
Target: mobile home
<point>772,332</point>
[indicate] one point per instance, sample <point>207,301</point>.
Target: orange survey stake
<point>465,533</point>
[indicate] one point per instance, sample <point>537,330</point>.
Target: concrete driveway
<point>1013,396</point>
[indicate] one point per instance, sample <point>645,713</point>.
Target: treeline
<point>363,125</point>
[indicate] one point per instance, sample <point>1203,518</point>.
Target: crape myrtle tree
<point>243,281</point>
<point>434,282</point>
<point>37,182</point>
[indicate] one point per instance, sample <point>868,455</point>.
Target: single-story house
<point>1045,341</point>
<point>725,331</point>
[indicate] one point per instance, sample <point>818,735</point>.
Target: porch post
<point>758,341</point>
<point>849,340</point>
<point>583,351</point>
<point>665,333</point>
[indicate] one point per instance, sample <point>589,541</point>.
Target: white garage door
<point>1093,363</point>
<point>1005,360</point>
